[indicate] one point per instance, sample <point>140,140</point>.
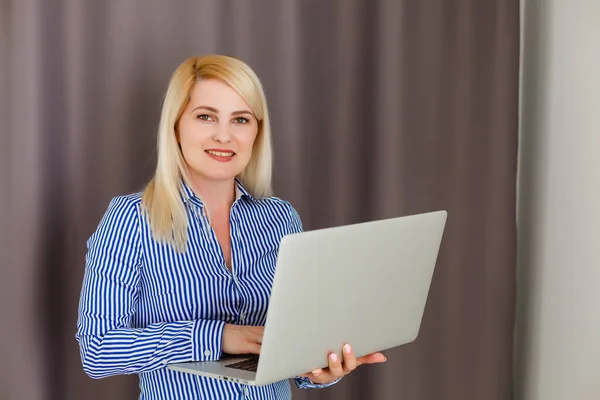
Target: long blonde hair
<point>161,199</point>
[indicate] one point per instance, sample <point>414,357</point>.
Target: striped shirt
<point>143,304</point>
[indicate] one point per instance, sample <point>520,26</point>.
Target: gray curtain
<point>380,109</point>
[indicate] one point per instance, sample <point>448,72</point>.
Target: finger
<point>316,373</point>
<point>258,338</point>
<point>319,375</point>
<point>373,358</point>
<point>254,335</point>
<point>349,359</point>
<point>312,374</point>
<point>253,348</point>
<point>335,366</point>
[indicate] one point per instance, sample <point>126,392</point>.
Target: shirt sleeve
<point>108,344</point>
<point>294,221</point>
<point>305,383</point>
<point>295,226</point>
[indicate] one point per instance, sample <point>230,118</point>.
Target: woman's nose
<point>222,133</point>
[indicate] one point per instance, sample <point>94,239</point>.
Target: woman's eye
<point>204,117</point>
<point>241,120</point>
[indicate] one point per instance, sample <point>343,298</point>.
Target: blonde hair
<point>161,199</point>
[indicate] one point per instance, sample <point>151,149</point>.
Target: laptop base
<point>219,369</point>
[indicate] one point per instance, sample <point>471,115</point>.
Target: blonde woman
<point>183,271</point>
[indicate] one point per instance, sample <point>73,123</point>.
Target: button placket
<point>204,222</point>
<point>236,237</point>
<point>233,235</point>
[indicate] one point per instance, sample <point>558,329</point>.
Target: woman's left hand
<point>338,368</point>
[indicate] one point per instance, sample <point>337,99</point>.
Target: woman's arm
<point>109,296</point>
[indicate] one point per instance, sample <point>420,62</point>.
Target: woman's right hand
<point>242,339</point>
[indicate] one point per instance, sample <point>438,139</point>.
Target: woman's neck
<point>217,196</point>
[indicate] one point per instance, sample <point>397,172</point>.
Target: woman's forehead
<point>216,94</point>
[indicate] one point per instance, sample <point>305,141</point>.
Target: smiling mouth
<point>220,153</point>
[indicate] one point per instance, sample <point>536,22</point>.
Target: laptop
<point>364,284</point>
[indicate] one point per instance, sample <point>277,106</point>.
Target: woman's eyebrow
<point>241,112</point>
<point>212,109</point>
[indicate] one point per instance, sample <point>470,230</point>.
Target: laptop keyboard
<point>250,364</point>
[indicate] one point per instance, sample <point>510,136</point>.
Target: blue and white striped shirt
<point>143,304</point>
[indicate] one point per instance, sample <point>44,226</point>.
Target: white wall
<point>558,318</point>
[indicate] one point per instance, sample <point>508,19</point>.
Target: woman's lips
<point>220,155</point>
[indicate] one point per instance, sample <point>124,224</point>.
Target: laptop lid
<point>364,284</point>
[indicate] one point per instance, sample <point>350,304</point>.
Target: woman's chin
<point>220,176</point>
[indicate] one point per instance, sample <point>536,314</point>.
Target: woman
<point>183,271</point>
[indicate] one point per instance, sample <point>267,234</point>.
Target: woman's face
<point>216,132</point>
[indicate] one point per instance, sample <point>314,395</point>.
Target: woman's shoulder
<point>127,201</point>
<point>278,208</point>
<point>275,203</point>
<point>125,205</point>
<point>120,216</point>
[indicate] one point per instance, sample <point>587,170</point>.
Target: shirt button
<point>207,353</point>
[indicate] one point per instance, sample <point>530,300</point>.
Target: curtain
<point>379,109</point>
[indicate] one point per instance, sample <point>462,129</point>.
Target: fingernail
<point>347,348</point>
<point>333,357</point>
<point>316,372</point>
<point>384,359</point>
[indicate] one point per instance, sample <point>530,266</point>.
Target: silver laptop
<point>364,284</point>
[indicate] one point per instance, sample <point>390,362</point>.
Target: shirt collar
<point>241,191</point>
<point>188,195</point>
